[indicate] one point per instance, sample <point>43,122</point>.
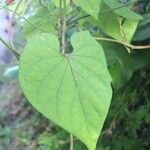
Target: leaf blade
<point>68,85</point>
<point>87,6</point>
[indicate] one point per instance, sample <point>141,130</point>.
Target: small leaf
<point>72,90</point>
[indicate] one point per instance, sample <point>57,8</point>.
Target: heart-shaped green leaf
<point>72,90</point>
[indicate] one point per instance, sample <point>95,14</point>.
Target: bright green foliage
<point>123,11</point>
<point>120,28</point>
<point>121,64</point>
<point>40,23</point>
<point>91,7</point>
<point>72,90</point>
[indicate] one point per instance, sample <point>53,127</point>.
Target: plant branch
<point>74,14</point>
<point>125,44</point>
<point>11,22</point>
<point>63,25</point>
<point>11,46</point>
<point>16,54</point>
<point>16,9</point>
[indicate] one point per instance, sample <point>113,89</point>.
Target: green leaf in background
<point>123,11</point>
<point>143,30</point>
<point>91,7</point>
<point>122,64</point>
<point>21,9</point>
<point>72,90</point>
<point>40,23</point>
<point>110,24</point>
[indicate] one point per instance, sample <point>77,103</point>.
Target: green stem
<point>16,54</point>
<point>11,21</point>
<point>63,25</point>
<point>125,44</point>
<point>11,46</point>
<point>71,142</point>
<point>16,9</point>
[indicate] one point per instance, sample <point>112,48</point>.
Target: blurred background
<point>22,128</point>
